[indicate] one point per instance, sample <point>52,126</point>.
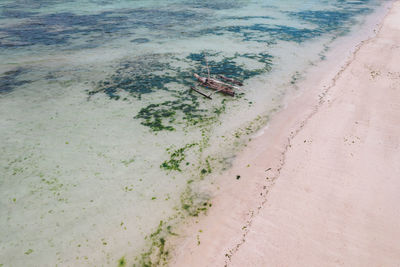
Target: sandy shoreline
<point>318,187</point>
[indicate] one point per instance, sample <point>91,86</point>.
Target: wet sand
<point>321,185</point>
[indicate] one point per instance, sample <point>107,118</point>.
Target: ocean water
<point>104,148</point>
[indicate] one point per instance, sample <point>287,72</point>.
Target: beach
<point>320,185</point>
<point>108,157</point>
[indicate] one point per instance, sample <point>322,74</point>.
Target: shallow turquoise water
<point>101,136</point>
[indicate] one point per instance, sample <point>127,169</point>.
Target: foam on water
<point>104,147</point>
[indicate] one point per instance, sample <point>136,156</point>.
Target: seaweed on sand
<point>176,158</point>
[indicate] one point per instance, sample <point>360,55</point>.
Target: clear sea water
<point>104,149</point>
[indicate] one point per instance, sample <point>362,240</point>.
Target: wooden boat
<point>216,85</point>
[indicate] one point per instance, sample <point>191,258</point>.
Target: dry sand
<point>321,185</point>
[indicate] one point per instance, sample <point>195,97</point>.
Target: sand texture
<point>321,185</point>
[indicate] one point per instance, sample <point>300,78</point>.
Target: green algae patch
<point>252,126</point>
<point>144,75</point>
<point>122,262</point>
<point>169,230</point>
<point>162,116</point>
<point>128,161</point>
<point>157,254</point>
<point>229,65</point>
<point>176,158</point>
<point>128,188</point>
<point>29,251</point>
<point>193,203</point>
<point>184,110</point>
<point>154,114</point>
